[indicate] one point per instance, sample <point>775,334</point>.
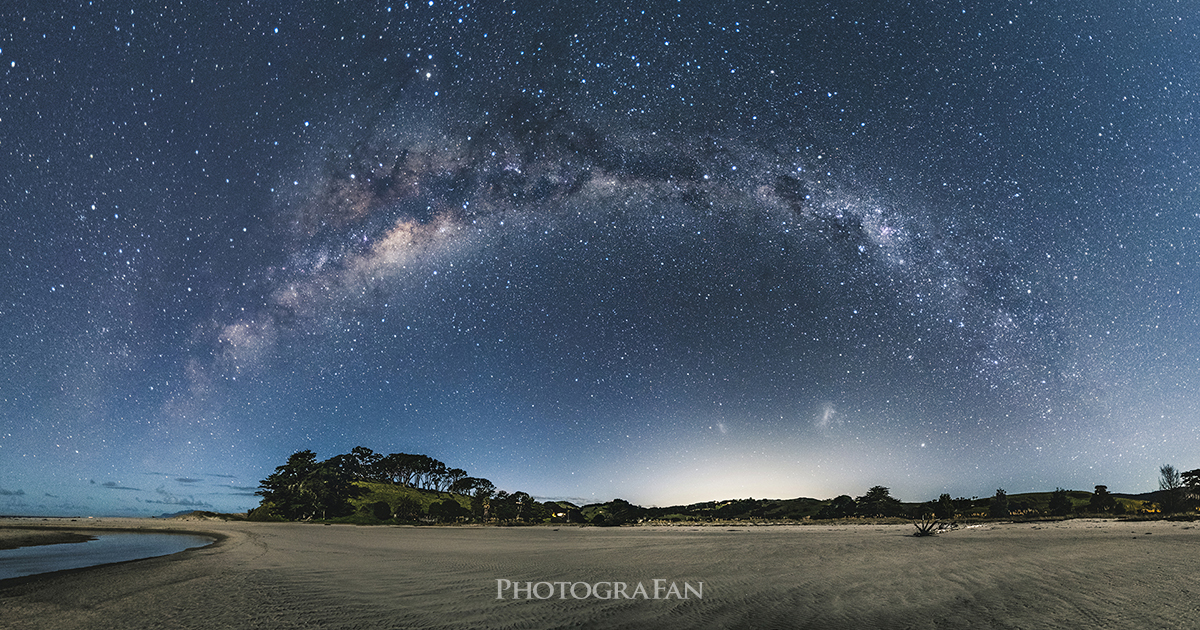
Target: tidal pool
<point>107,548</point>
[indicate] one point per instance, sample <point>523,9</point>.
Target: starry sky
<point>669,251</point>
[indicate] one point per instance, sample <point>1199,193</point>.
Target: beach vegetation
<point>449,511</point>
<point>944,507</point>
<point>842,506</point>
<point>877,502</point>
<point>1172,491</point>
<point>1060,503</point>
<point>998,507</point>
<point>926,526</point>
<point>1191,482</point>
<point>1101,502</point>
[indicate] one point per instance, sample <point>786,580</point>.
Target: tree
<point>1170,482</point>
<point>840,507</point>
<point>998,508</point>
<point>537,512</point>
<point>503,507</point>
<point>621,511</point>
<point>1102,501</point>
<point>944,507</point>
<point>304,489</point>
<point>482,492</point>
<point>367,462</point>
<point>453,476</point>
<point>1060,503</point>
<point>381,510</point>
<point>471,485</point>
<point>448,511</point>
<point>283,488</point>
<point>408,509</point>
<point>878,501</point>
<point>1191,479</point>
<point>1191,486</point>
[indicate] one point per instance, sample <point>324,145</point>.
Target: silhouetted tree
<point>451,477</point>
<point>537,512</point>
<point>503,507</point>
<point>520,501</point>
<point>368,462</point>
<point>346,466</point>
<point>448,511</point>
<point>1102,501</point>
<point>840,507</point>
<point>284,488</point>
<point>1170,482</point>
<point>878,501</point>
<point>998,508</point>
<point>1060,503</point>
<point>1191,486</point>
<point>305,489</point>
<point>621,511</point>
<point>945,507</point>
<point>482,492</point>
<point>1191,479</point>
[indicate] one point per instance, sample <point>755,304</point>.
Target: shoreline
<point>15,533</point>
<point>1085,573</point>
<point>16,538</point>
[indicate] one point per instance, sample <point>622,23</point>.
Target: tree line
<point>305,489</point>
<point>1178,492</point>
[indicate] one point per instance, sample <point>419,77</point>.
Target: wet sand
<point>1073,574</point>
<point>14,538</point>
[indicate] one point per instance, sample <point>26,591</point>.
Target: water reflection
<point>116,547</point>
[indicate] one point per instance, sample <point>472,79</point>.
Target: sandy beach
<point>1073,574</point>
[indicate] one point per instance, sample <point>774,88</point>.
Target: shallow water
<point>105,549</point>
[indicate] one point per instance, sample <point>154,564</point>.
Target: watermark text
<point>656,589</point>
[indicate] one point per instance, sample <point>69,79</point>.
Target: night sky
<point>665,251</point>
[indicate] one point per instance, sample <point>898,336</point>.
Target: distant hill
<point>1027,505</point>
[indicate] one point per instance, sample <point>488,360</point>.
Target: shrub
<point>381,510</point>
<point>927,526</point>
<point>998,508</point>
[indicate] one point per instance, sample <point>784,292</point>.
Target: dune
<point>1072,574</point>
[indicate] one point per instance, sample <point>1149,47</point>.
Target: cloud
<point>171,499</point>
<point>572,500</point>
<point>187,480</point>
<point>115,485</point>
<point>11,493</point>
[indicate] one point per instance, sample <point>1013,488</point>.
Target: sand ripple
<point>1079,574</point>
